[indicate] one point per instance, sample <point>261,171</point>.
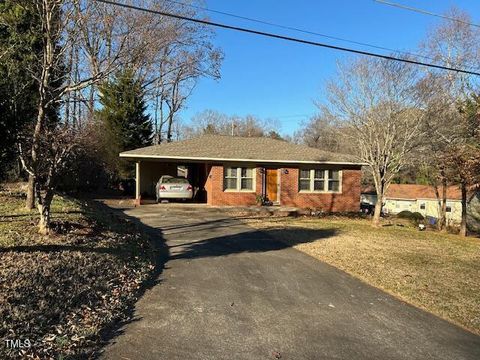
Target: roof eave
<point>194,158</point>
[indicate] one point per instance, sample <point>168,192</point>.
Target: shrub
<point>415,217</point>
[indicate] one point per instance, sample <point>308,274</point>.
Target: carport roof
<point>239,149</point>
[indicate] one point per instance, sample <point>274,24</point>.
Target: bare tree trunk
<point>156,137</point>
<point>69,95</point>
<point>378,210</point>
<point>442,221</point>
<point>44,205</point>
<point>161,123</point>
<point>30,202</point>
<point>76,98</point>
<point>443,214</point>
<point>91,102</point>
<point>31,191</point>
<point>170,114</point>
<point>439,202</point>
<point>169,129</point>
<point>463,224</point>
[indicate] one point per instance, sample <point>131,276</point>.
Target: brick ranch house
<point>228,170</point>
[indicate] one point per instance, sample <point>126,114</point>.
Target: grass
<point>434,271</point>
<point>65,292</point>
<point>18,225</point>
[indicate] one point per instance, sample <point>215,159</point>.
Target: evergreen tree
<point>123,115</point>
<point>20,44</point>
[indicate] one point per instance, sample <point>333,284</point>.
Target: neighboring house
<point>417,198</point>
<point>227,170</point>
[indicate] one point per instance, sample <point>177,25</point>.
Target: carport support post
<point>137,182</point>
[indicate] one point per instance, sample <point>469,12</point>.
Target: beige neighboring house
<point>418,198</point>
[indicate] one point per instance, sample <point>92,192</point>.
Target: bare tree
<point>462,158</point>
<point>440,127</point>
<point>61,28</point>
<point>186,55</point>
<point>456,44</point>
<point>57,147</point>
<point>323,131</point>
<point>377,103</point>
<point>464,162</point>
<point>83,43</point>
<point>214,122</point>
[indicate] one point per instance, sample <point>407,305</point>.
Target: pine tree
<point>123,115</point>
<point>20,44</point>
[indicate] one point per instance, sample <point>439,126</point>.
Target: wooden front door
<point>272,184</point>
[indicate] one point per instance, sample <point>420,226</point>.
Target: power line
<point>426,12</point>
<point>288,38</point>
<point>286,27</point>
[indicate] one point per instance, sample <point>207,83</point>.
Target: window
<point>246,179</point>
<point>448,209</point>
<point>305,180</point>
<point>238,179</point>
<point>422,206</point>
<point>333,180</point>
<point>318,180</point>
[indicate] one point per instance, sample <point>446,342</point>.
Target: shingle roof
<point>235,148</point>
<point>414,191</point>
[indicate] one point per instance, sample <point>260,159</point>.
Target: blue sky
<point>272,78</point>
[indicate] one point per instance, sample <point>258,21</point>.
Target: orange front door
<point>272,184</point>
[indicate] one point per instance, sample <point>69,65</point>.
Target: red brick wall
<point>348,200</point>
<point>216,195</point>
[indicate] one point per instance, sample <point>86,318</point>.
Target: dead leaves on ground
<point>61,293</point>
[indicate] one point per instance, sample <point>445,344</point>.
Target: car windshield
<point>172,180</point>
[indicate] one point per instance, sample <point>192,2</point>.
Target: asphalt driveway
<point>231,292</point>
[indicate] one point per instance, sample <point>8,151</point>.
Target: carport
<point>149,171</point>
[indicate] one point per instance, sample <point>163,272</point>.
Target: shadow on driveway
<point>246,242</point>
<point>230,291</point>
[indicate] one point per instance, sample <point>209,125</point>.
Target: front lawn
<point>65,293</point>
<point>437,272</point>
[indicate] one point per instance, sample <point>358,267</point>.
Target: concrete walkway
<point>231,292</point>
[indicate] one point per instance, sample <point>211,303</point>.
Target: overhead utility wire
<point>288,38</point>
<point>426,12</point>
<point>286,27</point>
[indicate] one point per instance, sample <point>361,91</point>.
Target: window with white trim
<point>319,180</point>
<point>304,180</point>
<point>333,180</point>
<point>238,178</point>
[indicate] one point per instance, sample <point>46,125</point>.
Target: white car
<point>169,187</point>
